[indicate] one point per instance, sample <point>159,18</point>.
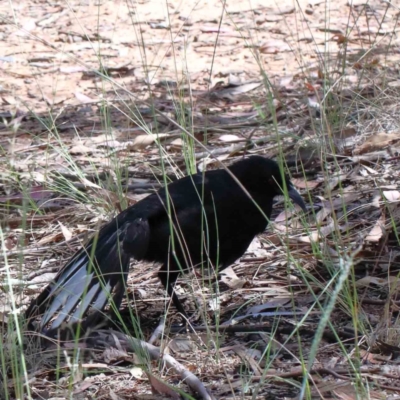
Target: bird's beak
<point>297,199</point>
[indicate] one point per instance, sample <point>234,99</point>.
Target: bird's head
<point>262,176</point>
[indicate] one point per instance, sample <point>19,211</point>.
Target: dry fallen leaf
<point>229,277</point>
<point>368,280</point>
<point>51,238</point>
<point>376,142</point>
<point>378,231</point>
<point>177,144</point>
<point>287,213</point>
<point>301,183</point>
<point>83,98</point>
<point>322,214</point>
<point>392,195</point>
<point>370,170</point>
<point>90,184</point>
<point>42,279</point>
<point>142,141</point>
<point>349,392</point>
<point>181,345</point>
<point>161,387</point>
<point>81,149</point>
<point>324,231</point>
<point>65,231</point>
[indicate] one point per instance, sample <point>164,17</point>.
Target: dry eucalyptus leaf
<point>177,143</point>
<point>65,231</point>
<point>324,231</point>
<point>392,195</point>
<point>236,90</point>
<point>202,164</point>
<point>44,278</point>
<point>376,142</point>
<point>182,344</point>
<point>88,183</point>
<point>161,387</point>
<point>83,98</point>
<point>287,213</point>
<point>229,277</point>
<point>377,232</point>
<point>52,238</point>
<point>9,100</point>
<point>368,280</point>
<point>81,149</point>
<point>370,170</point>
<point>332,183</point>
<point>112,355</point>
<point>106,137</point>
<point>137,372</point>
<point>143,141</point>
<point>349,391</point>
<point>305,184</point>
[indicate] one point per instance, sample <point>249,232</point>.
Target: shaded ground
<point>78,83</point>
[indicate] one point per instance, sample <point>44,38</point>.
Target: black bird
<point>202,219</point>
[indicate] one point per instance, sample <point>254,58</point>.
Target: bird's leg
<point>168,279</point>
<point>119,293</point>
<point>177,303</point>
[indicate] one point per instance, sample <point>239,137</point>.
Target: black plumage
<point>200,219</point>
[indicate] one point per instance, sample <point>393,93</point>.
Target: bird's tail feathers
<point>94,277</point>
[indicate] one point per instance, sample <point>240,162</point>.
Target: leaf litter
<point>353,197</point>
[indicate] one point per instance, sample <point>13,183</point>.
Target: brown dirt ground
<point>78,81</point>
